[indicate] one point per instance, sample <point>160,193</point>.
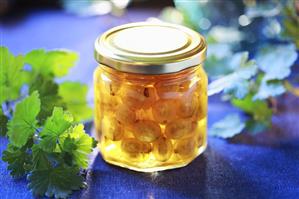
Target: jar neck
<point>115,74</point>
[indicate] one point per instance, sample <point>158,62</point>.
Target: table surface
<point>263,166</point>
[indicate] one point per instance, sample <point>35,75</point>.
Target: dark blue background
<point>263,166</point>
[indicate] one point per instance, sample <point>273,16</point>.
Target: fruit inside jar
<point>150,123</point>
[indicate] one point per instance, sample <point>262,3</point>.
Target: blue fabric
<point>263,166</point>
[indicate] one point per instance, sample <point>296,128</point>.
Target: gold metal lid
<point>150,48</point>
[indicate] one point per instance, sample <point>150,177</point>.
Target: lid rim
<point>172,61</point>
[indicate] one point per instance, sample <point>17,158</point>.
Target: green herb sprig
<point>41,120</point>
<point>252,85</point>
<point>249,84</point>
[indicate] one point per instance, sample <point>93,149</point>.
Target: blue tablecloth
<point>263,166</point>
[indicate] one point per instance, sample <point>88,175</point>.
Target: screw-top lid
<point>150,48</point>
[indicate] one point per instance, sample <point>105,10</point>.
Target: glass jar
<point>150,96</point>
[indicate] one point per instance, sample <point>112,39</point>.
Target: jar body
<point>150,122</point>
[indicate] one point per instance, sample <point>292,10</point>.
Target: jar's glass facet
<point>151,122</point>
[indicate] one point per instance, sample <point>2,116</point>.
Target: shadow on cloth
<point>208,176</point>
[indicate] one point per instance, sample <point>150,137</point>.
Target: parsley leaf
<point>55,182</point>
<point>24,123</point>
<point>12,75</point>
<point>235,83</point>
<point>74,96</point>
<point>55,126</point>
<point>3,123</point>
<point>49,97</point>
<point>276,60</point>
<point>239,90</point>
<point>39,158</point>
<point>52,63</point>
<point>258,109</point>
<point>79,144</point>
<point>218,60</point>
<point>18,159</point>
<point>227,127</point>
<point>268,89</point>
